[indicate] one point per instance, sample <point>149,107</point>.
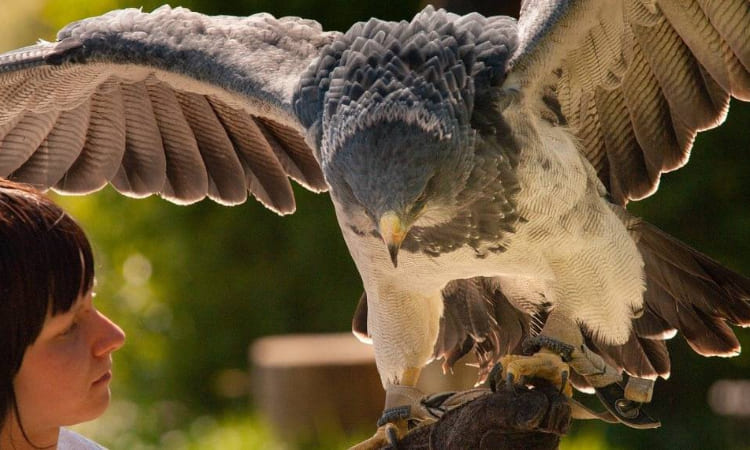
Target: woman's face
<point>64,376</point>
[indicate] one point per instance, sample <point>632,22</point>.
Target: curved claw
<point>386,435</point>
<point>564,375</point>
<point>509,378</point>
<point>495,373</point>
<point>391,432</point>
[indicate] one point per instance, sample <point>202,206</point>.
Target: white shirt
<point>69,440</point>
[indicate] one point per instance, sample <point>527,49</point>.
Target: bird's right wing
<point>171,102</point>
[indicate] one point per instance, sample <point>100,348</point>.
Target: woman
<point>55,347</point>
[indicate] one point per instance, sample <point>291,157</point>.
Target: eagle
<point>479,168</point>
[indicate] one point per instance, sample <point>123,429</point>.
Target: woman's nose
<point>110,337</point>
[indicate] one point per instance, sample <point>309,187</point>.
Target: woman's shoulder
<point>70,440</point>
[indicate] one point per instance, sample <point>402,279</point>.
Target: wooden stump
<point>307,385</point>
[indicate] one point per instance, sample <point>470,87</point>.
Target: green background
<point>193,286</point>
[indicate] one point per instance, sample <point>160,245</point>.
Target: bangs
<point>46,261</point>
<point>70,264</point>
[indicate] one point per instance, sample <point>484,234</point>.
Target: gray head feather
<point>390,107</point>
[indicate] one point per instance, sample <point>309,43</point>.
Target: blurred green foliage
<point>193,286</point>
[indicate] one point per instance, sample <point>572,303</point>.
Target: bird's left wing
<point>170,102</point>
<point>635,79</point>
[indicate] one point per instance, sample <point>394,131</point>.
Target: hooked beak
<point>393,230</point>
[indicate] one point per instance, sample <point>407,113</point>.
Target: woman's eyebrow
<point>78,305</point>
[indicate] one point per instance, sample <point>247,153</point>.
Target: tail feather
<point>686,259</point>
<point>653,326</point>
<point>640,357</point>
<point>690,292</point>
<point>658,355</point>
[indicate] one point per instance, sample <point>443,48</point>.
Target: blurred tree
<point>193,286</point>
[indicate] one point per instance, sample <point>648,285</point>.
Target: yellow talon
<point>543,364</point>
<point>383,436</point>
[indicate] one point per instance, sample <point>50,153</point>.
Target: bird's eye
<point>420,202</point>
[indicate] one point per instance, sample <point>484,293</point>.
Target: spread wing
<point>635,79</point>
<point>171,102</point>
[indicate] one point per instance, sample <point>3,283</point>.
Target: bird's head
<point>399,175</point>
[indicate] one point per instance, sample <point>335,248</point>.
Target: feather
<point>478,317</point>
<point>160,59</point>
<point>359,321</point>
<point>628,174</point>
<point>639,357</point>
<point>144,165</point>
<point>265,177</point>
<point>649,112</point>
<point>226,179</point>
<point>60,149</point>
<point>690,292</point>
<point>25,136</point>
<point>102,152</point>
<point>294,155</point>
<point>187,180</point>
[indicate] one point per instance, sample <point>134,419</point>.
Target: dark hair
<point>46,264</point>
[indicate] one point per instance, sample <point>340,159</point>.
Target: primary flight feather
<point>479,166</point>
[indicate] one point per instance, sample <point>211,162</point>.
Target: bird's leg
<point>623,405</point>
<point>401,401</point>
<point>407,407</point>
<point>592,367</point>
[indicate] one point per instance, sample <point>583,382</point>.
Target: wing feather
<point>676,64</point>
<point>23,138</point>
<point>631,174</point>
<point>226,178</point>
<point>60,149</point>
<point>175,78</point>
<point>187,180</point>
<point>144,164</point>
<point>265,176</point>
<point>105,144</point>
<point>731,17</point>
<point>649,113</point>
<point>290,149</point>
<point>678,74</point>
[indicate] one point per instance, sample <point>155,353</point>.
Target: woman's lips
<point>104,378</point>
